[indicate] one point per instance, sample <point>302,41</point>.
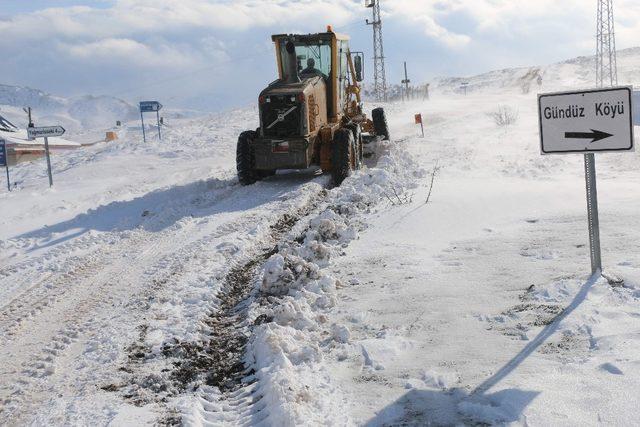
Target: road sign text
<point>586,121</point>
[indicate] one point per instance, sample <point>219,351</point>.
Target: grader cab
<point>312,115</point>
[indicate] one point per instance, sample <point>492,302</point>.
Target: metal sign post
<point>150,107</point>
<point>592,212</point>
<point>4,160</point>
<point>144,135</point>
<point>592,121</point>
<point>46,132</point>
<point>48,155</point>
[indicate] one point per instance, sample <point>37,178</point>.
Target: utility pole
<point>606,75</point>
<point>406,81</point>
<point>606,60</point>
<point>28,111</point>
<point>379,75</point>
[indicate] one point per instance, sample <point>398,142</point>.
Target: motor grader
<point>312,115</point>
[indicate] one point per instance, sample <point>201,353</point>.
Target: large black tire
<point>357,137</point>
<point>245,159</point>
<point>342,155</point>
<point>380,124</point>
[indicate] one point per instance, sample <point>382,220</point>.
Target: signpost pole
<point>159,132</point>
<point>144,136</point>
<point>588,122</point>
<point>5,160</point>
<point>46,150</point>
<point>592,211</point>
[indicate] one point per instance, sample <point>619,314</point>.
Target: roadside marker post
<point>418,119</point>
<point>46,132</point>
<point>150,107</point>
<point>4,160</point>
<point>587,122</point>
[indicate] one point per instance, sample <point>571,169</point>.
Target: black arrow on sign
<point>594,135</point>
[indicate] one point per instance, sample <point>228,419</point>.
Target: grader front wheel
<point>245,160</point>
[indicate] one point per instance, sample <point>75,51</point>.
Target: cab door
<point>343,65</point>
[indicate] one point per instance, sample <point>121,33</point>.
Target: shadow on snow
<point>160,209</point>
<point>457,406</point>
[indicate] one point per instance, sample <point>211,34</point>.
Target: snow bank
<point>286,351</point>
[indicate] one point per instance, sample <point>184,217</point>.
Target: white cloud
<point>79,49</point>
<point>134,53</point>
<point>134,27</point>
<point>511,18</point>
<point>424,13</point>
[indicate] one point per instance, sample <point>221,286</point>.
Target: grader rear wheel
<point>343,155</point>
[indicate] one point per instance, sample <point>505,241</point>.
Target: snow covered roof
<point>6,125</point>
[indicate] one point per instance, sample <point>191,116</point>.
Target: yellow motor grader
<point>312,115</point>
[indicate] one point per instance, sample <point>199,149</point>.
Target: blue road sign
<point>150,106</point>
<point>3,153</point>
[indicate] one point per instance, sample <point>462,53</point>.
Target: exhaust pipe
<point>292,71</point>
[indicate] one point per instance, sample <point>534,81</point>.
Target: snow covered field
<point>149,287</point>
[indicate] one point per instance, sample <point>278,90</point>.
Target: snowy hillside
<point>446,283</point>
<point>75,114</point>
<point>574,73</point>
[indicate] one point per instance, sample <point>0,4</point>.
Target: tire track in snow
<point>216,356</point>
<point>22,276</point>
<point>69,315</point>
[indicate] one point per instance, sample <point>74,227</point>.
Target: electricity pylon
<point>606,61</point>
<point>379,74</point>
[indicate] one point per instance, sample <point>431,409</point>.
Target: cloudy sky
<point>212,54</point>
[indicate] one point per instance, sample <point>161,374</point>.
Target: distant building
<point>7,126</point>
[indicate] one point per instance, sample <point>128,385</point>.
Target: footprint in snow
<point>610,368</point>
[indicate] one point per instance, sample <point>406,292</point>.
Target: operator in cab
<point>311,70</point>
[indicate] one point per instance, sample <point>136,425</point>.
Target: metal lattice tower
<point>606,61</point>
<point>379,74</point>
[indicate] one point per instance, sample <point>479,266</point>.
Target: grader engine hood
<point>292,109</point>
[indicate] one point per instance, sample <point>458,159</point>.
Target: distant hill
<point>86,112</point>
<point>573,73</point>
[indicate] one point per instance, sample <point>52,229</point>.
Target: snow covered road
<point>149,287</point>
<point>65,329</point>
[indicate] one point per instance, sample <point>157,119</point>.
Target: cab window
<point>312,58</point>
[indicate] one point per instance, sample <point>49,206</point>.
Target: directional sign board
<point>3,153</point>
<point>150,106</point>
<point>45,132</point>
<point>588,121</point>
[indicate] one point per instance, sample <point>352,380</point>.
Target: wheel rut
<point>217,358</point>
